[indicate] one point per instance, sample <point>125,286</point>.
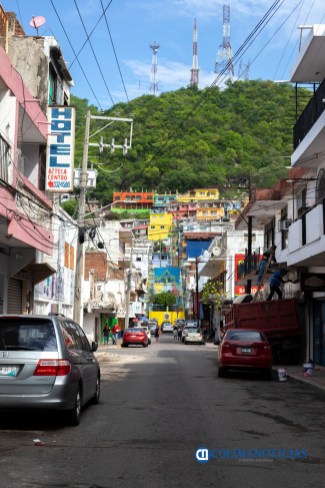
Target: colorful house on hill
<point>160,226</point>
<point>133,200</point>
<point>201,194</point>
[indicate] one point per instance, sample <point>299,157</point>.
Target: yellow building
<point>160,226</point>
<point>208,210</point>
<point>198,195</point>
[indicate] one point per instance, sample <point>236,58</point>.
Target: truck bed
<point>275,317</point>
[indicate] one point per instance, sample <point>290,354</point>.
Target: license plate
<point>246,349</point>
<point>8,370</point>
<point>133,336</point>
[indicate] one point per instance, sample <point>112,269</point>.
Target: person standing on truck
<point>275,282</point>
<point>267,257</point>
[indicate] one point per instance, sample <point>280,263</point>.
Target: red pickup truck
<point>279,321</point>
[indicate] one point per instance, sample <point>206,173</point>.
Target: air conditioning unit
<point>284,224</point>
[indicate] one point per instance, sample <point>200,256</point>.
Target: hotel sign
<point>60,149</point>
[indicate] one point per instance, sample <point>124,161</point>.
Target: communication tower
<point>244,70</point>
<point>224,56</point>
<point>195,64</point>
<point>154,69</point>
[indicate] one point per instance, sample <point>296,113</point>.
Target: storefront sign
<point>60,149</point>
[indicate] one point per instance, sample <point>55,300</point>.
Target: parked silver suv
<point>46,362</point>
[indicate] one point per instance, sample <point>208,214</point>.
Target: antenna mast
<point>244,70</point>
<point>195,64</point>
<point>154,69</point>
<point>224,57</point>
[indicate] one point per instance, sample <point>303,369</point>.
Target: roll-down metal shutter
<point>14,296</point>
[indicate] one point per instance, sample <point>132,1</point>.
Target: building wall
<point>33,68</point>
<point>160,226</point>
<point>199,194</point>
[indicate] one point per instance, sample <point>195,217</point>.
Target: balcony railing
<point>308,230</point>
<point>249,264</point>
<point>309,116</point>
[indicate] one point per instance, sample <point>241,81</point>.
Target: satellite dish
<point>37,22</point>
<point>216,251</point>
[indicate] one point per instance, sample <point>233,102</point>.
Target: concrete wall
<point>29,59</point>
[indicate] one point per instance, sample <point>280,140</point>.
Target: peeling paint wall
<point>29,59</point>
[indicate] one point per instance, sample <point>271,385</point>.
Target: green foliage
<point>212,292</point>
<point>165,299</point>
<point>194,138</point>
<point>70,206</point>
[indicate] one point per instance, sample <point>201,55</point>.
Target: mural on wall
<point>167,279</point>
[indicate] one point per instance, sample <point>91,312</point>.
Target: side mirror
<point>94,346</point>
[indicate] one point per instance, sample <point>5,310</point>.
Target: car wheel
<point>145,344</point>
<point>73,415</point>
<point>149,341</point>
<point>95,399</point>
<point>185,342</point>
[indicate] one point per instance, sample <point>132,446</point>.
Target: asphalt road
<point>158,406</point>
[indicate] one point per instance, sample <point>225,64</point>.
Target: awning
<point>40,271</point>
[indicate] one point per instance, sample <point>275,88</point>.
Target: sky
<point>115,66</point>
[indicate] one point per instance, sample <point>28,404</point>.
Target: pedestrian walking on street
<point>114,334</point>
<point>175,332</point>
<point>157,332</point>
<point>179,333</point>
<point>106,334</point>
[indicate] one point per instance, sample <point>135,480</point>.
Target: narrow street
<point>158,406</point>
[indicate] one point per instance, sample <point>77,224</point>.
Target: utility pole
<point>128,291</point>
<point>78,302</point>
<point>197,307</point>
<point>250,240</point>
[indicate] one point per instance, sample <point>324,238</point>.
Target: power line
<point>91,33</point>
<point>93,51</point>
<point>118,65</point>
<point>83,71</point>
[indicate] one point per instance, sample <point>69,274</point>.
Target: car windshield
<point>192,330</point>
<point>244,336</point>
<point>134,329</point>
<point>27,334</point>
<point>191,324</point>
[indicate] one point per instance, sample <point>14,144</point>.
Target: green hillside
<point>194,138</point>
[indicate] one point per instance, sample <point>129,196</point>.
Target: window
<point>321,185</point>
<point>301,202</point>
<point>53,82</point>
<point>284,233</point>
<point>83,337</point>
<point>71,337</point>
<point>269,234</point>
<point>4,159</point>
<point>27,335</point>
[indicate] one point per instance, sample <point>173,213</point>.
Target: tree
<point>165,299</point>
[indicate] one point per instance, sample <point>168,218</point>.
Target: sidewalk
<point>297,373</point>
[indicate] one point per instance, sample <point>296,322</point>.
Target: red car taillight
<point>52,367</point>
<point>226,345</point>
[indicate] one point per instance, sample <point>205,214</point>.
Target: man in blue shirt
<point>275,283</point>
